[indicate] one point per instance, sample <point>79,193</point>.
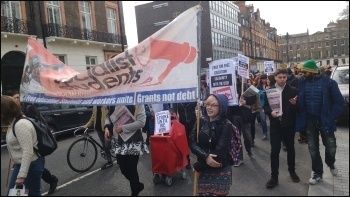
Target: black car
<point>341,75</point>
<point>61,118</point>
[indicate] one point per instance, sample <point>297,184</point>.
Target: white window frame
<point>334,41</point>
<point>342,42</point>
<point>327,44</point>
<point>7,9</point>
<point>61,57</point>
<point>320,45</point>
<point>85,11</point>
<point>51,15</point>
<point>312,46</point>
<point>88,61</point>
<point>111,20</point>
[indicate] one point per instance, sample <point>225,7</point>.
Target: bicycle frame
<point>89,137</point>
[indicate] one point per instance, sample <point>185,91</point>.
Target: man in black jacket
<point>282,126</point>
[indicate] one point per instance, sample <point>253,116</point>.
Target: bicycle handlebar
<point>80,129</point>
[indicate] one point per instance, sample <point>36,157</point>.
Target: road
<point>248,179</point>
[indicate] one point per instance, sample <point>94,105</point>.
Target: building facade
<point>79,33</point>
<point>220,27</point>
<point>329,48</point>
<point>259,40</point>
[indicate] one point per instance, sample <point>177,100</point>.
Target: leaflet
<point>274,97</point>
<point>121,116</point>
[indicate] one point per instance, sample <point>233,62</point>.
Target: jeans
<point>263,122</point>
<point>252,126</point>
<point>277,133</point>
<point>46,176</point>
<point>33,180</point>
<point>329,141</point>
<point>128,167</point>
<point>106,145</point>
<point>245,129</point>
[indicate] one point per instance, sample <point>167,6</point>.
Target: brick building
<point>220,27</point>
<point>80,33</point>
<point>329,47</point>
<point>260,41</point>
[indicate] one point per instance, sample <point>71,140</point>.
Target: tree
<point>343,20</point>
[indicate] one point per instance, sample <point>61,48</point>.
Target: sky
<point>286,16</point>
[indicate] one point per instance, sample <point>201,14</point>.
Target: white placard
<point>162,122</point>
<point>269,67</point>
<point>222,79</point>
<point>243,66</point>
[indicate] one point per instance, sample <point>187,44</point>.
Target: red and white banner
<point>161,69</point>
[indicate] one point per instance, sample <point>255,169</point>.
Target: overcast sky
<point>286,16</point>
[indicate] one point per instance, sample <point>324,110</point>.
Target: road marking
<point>77,179</point>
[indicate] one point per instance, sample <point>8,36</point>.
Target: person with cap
<point>319,103</point>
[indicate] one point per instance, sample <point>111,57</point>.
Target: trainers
<point>294,177</point>
<point>272,183</point>
<point>53,184</point>
<point>239,162</point>
<point>334,170</point>
<point>315,179</point>
<point>107,165</point>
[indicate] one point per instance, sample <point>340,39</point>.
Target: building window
<point>343,51</point>
<point>328,62</point>
<point>85,9</point>
<point>90,61</point>
<point>343,61</point>
<point>320,45</point>
<point>342,42</point>
<point>11,9</point>
<point>111,20</point>
<point>334,43</point>
<point>319,37</point>
<point>335,52</point>
<point>290,48</point>
<point>327,44</point>
<point>53,12</point>
<point>305,47</point>
<point>298,47</point>
<point>305,39</point>
<point>62,58</point>
<point>312,45</point>
<point>326,37</point>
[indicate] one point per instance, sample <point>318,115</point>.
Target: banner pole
<point>199,36</point>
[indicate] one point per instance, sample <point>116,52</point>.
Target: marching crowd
<point>310,103</point>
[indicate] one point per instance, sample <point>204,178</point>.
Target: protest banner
<point>146,73</point>
<point>269,67</point>
<point>222,79</point>
<point>162,122</point>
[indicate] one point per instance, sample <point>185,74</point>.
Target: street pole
<point>42,26</point>
<point>120,25</point>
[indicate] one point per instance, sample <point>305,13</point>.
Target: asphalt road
<point>248,180</point>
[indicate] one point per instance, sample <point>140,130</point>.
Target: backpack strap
<point>13,126</point>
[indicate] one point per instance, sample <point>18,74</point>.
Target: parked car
<point>341,75</point>
<point>61,118</point>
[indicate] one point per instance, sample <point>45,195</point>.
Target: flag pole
<point>199,35</point>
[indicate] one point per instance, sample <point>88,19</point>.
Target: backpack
<point>46,141</point>
<point>235,145</point>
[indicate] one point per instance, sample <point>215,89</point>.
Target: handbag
<point>18,192</point>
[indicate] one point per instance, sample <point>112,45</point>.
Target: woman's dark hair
<point>13,92</point>
<point>9,110</point>
<point>263,76</point>
<point>271,79</point>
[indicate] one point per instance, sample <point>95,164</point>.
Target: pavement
<point>335,185</point>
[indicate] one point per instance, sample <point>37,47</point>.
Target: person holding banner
<point>131,146</point>
<point>282,124</point>
<point>212,148</point>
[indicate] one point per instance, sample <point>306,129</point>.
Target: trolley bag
<point>169,152</point>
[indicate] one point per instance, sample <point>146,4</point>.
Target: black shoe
<point>250,154</point>
<point>272,183</point>
<point>53,184</point>
<point>294,177</point>
<point>107,165</point>
<point>141,187</point>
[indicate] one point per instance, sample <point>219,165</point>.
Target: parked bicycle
<point>82,154</point>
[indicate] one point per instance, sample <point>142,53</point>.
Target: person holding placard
<point>212,148</point>
<point>282,124</point>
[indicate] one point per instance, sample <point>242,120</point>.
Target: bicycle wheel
<point>82,155</point>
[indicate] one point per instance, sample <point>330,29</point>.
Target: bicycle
<point>82,154</point>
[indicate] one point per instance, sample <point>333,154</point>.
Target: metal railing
<point>14,25</point>
<point>53,29</point>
